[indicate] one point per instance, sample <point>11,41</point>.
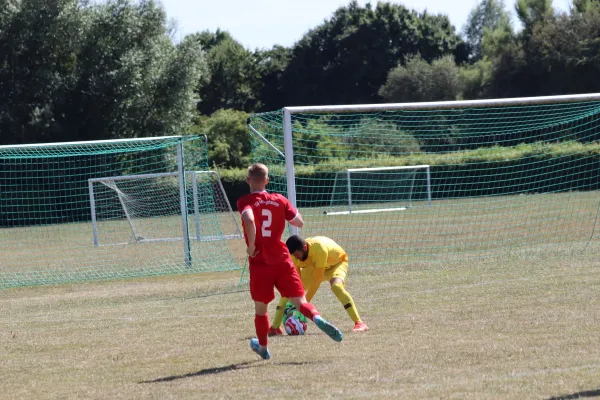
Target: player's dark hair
<point>295,243</point>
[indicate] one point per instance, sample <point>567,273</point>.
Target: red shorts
<point>283,276</point>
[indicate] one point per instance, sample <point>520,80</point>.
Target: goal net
<point>421,181</point>
<point>81,211</point>
<point>379,189</point>
<point>147,208</point>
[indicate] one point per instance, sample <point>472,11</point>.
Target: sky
<point>264,23</point>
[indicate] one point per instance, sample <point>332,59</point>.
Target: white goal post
<point>136,202</point>
<point>350,189</point>
<point>364,108</point>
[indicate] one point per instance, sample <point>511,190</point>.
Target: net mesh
<point>48,232</point>
<point>135,208</point>
<point>370,190</point>
<point>501,177</point>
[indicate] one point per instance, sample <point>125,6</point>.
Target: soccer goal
<point>113,209</point>
<point>151,206</point>
<point>379,189</point>
<point>505,175</point>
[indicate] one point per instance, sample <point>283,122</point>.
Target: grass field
<point>468,226</point>
<point>519,322</point>
<point>524,326</point>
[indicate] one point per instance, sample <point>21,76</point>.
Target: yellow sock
<point>346,300</point>
<point>278,318</point>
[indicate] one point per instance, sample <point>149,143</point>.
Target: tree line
<point>78,70</point>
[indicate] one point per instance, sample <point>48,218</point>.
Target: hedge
<point>526,168</point>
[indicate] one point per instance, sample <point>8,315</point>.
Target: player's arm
<point>297,221</point>
<point>292,215</point>
<point>319,257</point>
<point>249,230</point>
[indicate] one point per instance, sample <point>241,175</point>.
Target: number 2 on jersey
<point>266,223</point>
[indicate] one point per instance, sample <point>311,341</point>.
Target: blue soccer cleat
<point>329,329</point>
<point>262,352</point>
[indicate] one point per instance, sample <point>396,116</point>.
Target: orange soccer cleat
<point>275,332</point>
<point>360,326</point>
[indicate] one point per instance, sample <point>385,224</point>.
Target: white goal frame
<point>357,108</point>
<point>183,206</point>
<point>349,172</point>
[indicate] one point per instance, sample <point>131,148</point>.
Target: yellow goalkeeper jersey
<point>322,253</point>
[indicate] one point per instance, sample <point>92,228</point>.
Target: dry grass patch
<point>520,326</point>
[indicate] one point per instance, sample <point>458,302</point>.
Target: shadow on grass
<point>295,362</point>
<point>218,370</point>
<point>202,372</point>
<point>285,336</point>
<point>199,294</point>
<point>578,395</point>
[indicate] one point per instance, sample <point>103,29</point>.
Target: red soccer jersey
<point>271,210</point>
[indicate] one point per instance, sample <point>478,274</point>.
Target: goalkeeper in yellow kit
<point>319,259</point>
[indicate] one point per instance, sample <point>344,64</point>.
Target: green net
<point>427,183</point>
<point>111,209</point>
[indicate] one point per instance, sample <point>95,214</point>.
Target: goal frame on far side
<point>349,189</point>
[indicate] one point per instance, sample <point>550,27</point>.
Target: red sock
<point>309,311</point>
<point>261,323</point>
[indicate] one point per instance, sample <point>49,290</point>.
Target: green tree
<point>487,14</point>
<point>234,80</point>
<point>532,12</point>
<point>566,53</point>
<point>133,81</point>
<point>581,6</point>
<point>38,47</point>
<point>475,79</point>
<point>271,67</point>
<point>554,54</point>
<point>419,80</point>
<point>73,71</point>
<point>228,138</point>
<point>502,72</point>
<point>208,39</point>
<point>346,59</point>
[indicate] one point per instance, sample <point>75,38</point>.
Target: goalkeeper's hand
<point>290,310</point>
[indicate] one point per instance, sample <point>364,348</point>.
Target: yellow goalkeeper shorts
<point>339,270</point>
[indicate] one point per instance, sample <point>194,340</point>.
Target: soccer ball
<point>295,327</point>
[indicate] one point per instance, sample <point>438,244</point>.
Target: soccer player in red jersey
<point>263,218</point>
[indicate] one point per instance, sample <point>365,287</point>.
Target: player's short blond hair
<point>258,171</point>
